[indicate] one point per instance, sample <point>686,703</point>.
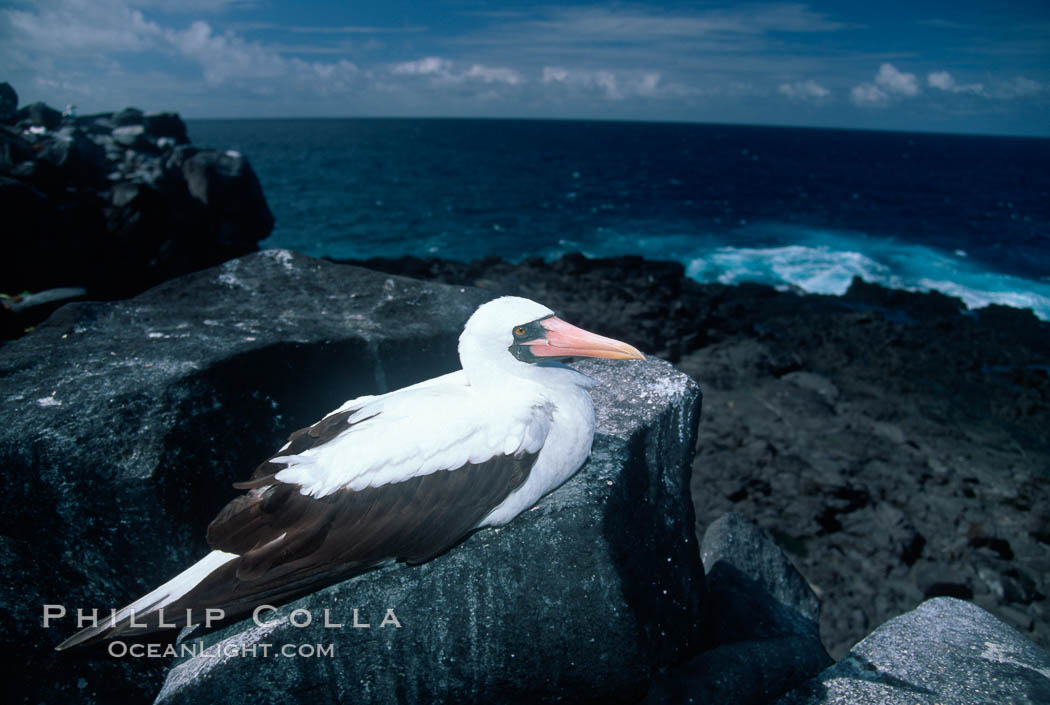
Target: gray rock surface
<point>127,422</point>
<point>945,652</point>
<point>741,560</point>
<point>883,487</point>
<point>763,635</point>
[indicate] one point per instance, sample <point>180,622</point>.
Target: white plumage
<point>418,431</point>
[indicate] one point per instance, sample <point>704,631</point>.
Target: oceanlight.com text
<point>197,649</point>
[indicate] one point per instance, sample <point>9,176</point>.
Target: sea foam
<point>826,261</point>
<point>821,270</point>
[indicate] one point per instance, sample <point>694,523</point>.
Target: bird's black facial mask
<point>525,334</point>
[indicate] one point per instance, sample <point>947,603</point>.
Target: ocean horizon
<point>805,208</point>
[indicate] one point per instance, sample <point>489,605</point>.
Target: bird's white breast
<point>567,446</point>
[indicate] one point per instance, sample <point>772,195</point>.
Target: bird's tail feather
<point>144,614</point>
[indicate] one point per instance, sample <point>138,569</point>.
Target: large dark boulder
<point>14,149</point>
<point>763,634</point>
<point>130,420</point>
<point>225,185</point>
<point>129,116</point>
<point>8,102</point>
<point>77,160</point>
<point>945,652</point>
<point>39,115</point>
<point>116,203</point>
<point>755,590</point>
<point>169,125</point>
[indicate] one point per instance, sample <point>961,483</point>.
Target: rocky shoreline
<point>896,445</point>
<point>105,206</point>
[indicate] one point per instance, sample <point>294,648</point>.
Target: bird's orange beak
<point>566,340</point>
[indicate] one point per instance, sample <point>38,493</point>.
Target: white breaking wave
<point>824,270</point>
<point>817,270</point>
<point>825,262</point>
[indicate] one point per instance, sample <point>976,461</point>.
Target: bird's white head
<point>510,335</point>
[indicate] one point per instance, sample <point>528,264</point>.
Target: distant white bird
<point>399,476</point>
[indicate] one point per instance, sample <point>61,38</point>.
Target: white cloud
<point>868,95</point>
<point>81,27</point>
<point>429,66</point>
<point>76,35</point>
<point>102,54</point>
<point>584,80</point>
<point>444,70</point>
<point>944,81</point>
<point>649,84</point>
<point>606,80</point>
<point>487,74</point>
<point>891,80</point>
<point>941,79</point>
<point>804,90</point>
<point>606,83</point>
<point>227,59</point>
<point>555,74</point>
<point>695,50</point>
<point>1019,87</point>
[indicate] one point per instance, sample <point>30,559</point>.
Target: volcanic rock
<point>945,652</point>
<point>64,184</point>
<point>8,102</point>
<point>129,116</point>
<point>763,635</point>
<point>742,562</point>
<point>39,115</point>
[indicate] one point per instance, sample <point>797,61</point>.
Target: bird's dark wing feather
<point>290,543</point>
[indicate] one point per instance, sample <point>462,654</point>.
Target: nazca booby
<point>397,476</point>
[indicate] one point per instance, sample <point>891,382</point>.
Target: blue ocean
<point>805,208</point>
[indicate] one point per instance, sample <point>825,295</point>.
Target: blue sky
<point>947,66</point>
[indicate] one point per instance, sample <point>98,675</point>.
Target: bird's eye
<point>520,332</point>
